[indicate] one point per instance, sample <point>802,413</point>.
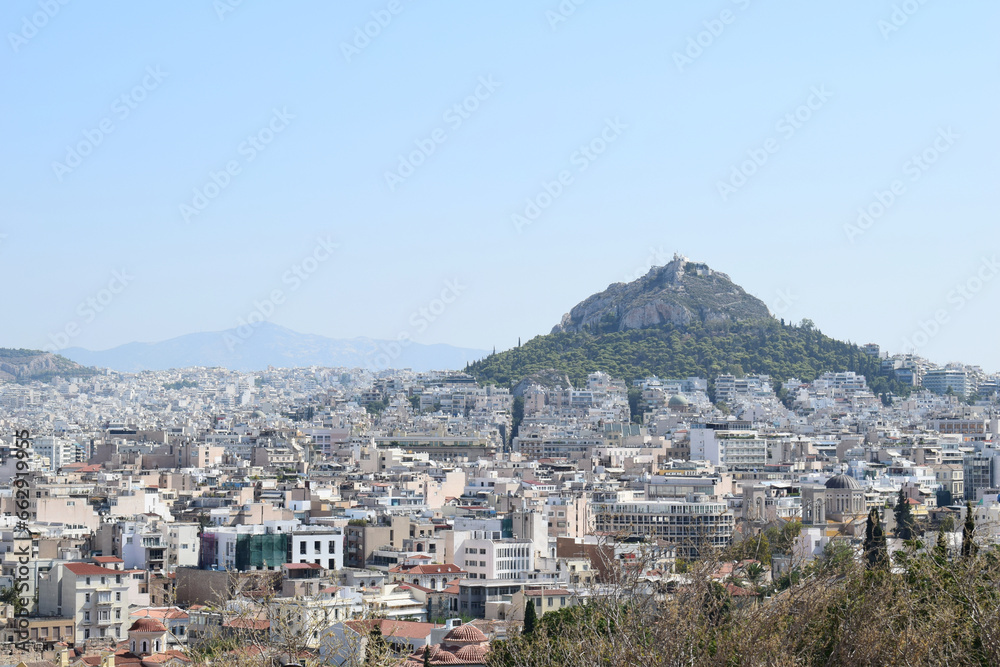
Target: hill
<point>20,365</point>
<point>272,345</point>
<point>668,351</point>
<point>680,320</point>
<point>680,293</point>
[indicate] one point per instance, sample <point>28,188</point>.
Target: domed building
<point>678,403</point>
<point>841,499</point>
<point>463,645</point>
<point>147,635</point>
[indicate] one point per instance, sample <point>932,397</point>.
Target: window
<point>302,547</point>
<point>332,549</point>
<point>88,581</point>
<point>316,546</point>
<point>550,602</point>
<point>86,597</point>
<point>118,578</point>
<point>538,602</point>
<point>118,597</point>
<point>118,614</point>
<point>86,617</point>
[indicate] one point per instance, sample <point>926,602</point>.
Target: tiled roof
<point>89,569</point>
<point>408,629</point>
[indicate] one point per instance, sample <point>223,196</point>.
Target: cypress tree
<point>968,532</point>
<point>530,617</point>
<point>874,546</point>
<point>905,523</point>
<point>941,548</point>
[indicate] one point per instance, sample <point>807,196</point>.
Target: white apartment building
<point>323,546</point>
<point>58,451</point>
<point>156,545</point>
<point>497,559</point>
<point>728,443</point>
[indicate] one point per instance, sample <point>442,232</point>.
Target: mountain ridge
<point>272,345</point>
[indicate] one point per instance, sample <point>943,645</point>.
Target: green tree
<point>10,596</point>
<point>968,532</point>
<point>530,618</point>
<point>876,554</point>
<point>905,523</point>
<point>635,404</point>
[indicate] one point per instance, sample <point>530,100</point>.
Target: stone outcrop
<point>678,293</point>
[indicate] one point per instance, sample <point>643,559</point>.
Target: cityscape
<point>396,334</point>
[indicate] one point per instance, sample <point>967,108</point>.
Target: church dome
<point>842,482</point>
<point>677,402</point>
<point>147,625</point>
<point>464,634</point>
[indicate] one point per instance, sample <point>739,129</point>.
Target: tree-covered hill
<point>706,350</point>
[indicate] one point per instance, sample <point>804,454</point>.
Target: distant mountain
<point>27,365</point>
<point>679,293</point>
<point>680,320</point>
<point>271,345</point>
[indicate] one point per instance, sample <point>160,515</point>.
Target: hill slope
<point>668,351</point>
<point>26,365</point>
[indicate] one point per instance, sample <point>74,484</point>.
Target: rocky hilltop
<point>679,293</point>
<point>26,365</point>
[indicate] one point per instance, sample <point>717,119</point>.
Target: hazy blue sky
<point>183,87</point>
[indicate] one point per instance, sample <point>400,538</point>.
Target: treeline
<point>705,350</point>
<point>928,608</point>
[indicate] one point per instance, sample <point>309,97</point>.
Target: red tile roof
<point>408,629</point>
<point>89,569</point>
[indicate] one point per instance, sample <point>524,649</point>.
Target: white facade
<point>497,559</point>
<point>325,547</point>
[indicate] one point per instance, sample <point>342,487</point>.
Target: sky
<point>465,173</point>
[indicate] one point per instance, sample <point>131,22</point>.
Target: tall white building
<point>497,559</point>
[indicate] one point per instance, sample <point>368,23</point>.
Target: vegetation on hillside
<point>763,346</point>
<point>929,608</point>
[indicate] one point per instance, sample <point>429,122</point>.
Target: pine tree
<point>427,656</point>
<point>968,532</point>
<point>530,618</point>
<point>905,524</point>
